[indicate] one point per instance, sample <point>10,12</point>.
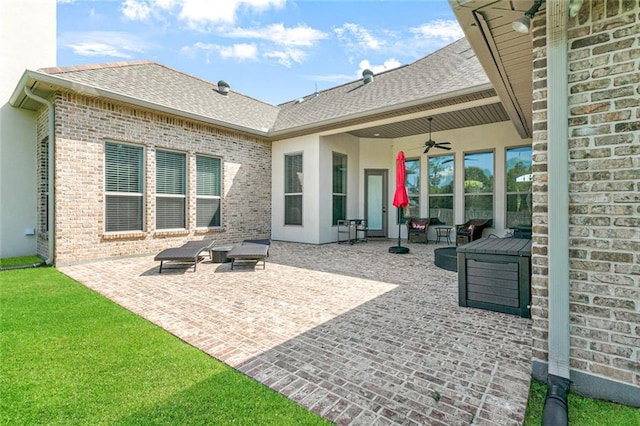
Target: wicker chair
<point>471,230</point>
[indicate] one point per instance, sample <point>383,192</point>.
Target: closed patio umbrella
<point>400,198</point>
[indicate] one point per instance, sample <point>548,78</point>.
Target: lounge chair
<point>250,250</point>
<point>188,253</point>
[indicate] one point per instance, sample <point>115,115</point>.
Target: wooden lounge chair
<point>188,253</point>
<point>250,250</point>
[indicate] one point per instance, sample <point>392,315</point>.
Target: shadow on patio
<point>354,333</point>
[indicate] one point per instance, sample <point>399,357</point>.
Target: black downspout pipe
<point>556,412</point>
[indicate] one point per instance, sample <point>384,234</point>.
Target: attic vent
<point>367,76</point>
<point>223,87</point>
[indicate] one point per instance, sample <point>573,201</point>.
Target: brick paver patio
<point>354,333</point>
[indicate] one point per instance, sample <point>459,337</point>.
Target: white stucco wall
<point>27,41</point>
<point>308,232</point>
<point>372,153</point>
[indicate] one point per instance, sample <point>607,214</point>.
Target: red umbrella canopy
<point>400,198</point>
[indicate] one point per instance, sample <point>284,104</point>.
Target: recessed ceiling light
<point>376,134</point>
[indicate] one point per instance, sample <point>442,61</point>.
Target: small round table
<point>219,254</point>
<point>443,232</point>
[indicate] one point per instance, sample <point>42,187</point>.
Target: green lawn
<point>582,411</point>
<point>70,356</point>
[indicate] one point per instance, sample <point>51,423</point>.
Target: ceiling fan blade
<point>443,143</point>
<point>427,150</point>
<point>448,148</point>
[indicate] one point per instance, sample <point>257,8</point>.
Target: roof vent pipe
<point>367,76</point>
<point>223,87</point>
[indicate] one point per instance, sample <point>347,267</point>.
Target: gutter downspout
<point>555,408</point>
<point>51,174</point>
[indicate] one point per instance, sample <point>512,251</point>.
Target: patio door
<point>375,201</point>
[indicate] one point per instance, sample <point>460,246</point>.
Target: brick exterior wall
<point>83,124</point>
<point>604,173</point>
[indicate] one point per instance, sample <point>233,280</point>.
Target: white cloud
<point>198,14</point>
<point>98,49</point>
<point>301,35</point>
<point>286,57</point>
<point>377,69</point>
<point>358,38</point>
<point>446,30</point>
<point>104,43</point>
<point>135,10</point>
<point>239,51</point>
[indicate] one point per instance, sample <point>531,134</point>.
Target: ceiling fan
<point>431,143</point>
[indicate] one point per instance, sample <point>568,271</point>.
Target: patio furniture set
<point>192,253</point>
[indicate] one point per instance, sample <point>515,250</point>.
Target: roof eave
<point>315,126</point>
<point>480,42</point>
<point>31,78</point>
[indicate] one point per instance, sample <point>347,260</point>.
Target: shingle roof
<point>158,84</point>
<point>450,70</point>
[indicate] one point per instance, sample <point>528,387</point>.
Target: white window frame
<point>300,176</point>
<point>140,195</point>
<point>209,197</point>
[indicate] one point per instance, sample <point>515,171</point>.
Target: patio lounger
<point>250,250</point>
<point>187,253</point>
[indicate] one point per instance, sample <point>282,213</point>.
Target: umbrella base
<point>399,250</point>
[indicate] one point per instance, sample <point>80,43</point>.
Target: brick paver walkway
<point>354,333</point>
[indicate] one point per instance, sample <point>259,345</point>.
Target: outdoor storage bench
<point>495,274</point>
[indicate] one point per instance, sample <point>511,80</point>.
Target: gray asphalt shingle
<point>447,71</point>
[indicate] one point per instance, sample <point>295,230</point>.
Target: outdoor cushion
<point>187,253</point>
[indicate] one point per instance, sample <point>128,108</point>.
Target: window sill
<point>134,235</point>
<point>171,233</point>
<point>216,230</point>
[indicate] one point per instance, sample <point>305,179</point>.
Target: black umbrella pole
<point>399,249</point>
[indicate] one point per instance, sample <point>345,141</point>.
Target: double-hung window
<point>519,196</point>
<point>478,185</point>
<point>171,190</point>
<point>208,192</point>
<point>293,180</point>
<point>441,188</point>
<point>339,187</point>
<point>124,187</point>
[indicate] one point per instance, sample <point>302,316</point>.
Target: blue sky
<point>271,50</point>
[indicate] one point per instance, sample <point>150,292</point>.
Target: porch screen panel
<point>478,185</point>
<point>171,188</point>
<point>519,177</point>
<point>339,187</point>
<point>124,179</point>
<point>441,184</point>
<point>208,191</point>
<point>293,180</point>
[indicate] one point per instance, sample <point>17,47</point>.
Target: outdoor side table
<point>219,254</point>
<point>443,232</point>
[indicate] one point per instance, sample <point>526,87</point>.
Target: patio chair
<point>471,230</point>
<point>250,250</point>
<point>187,253</point>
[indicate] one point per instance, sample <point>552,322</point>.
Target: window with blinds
<point>124,180</point>
<point>209,172</point>
<point>171,190</point>
<point>339,187</point>
<point>293,180</point>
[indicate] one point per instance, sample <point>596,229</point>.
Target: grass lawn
<point>582,411</point>
<point>70,356</point>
